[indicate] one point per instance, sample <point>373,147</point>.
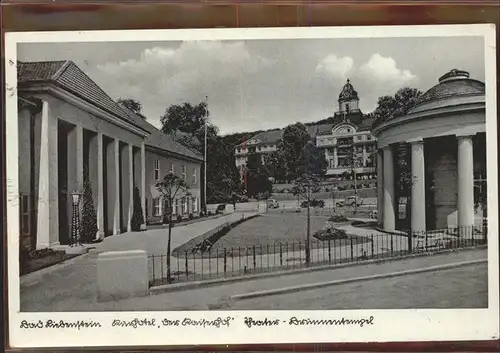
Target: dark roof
<point>455,83</point>
<point>159,139</point>
<point>348,92</point>
<point>70,77</point>
<point>270,136</point>
<point>323,129</point>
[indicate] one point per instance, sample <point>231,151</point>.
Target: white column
<point>465,182</point>
<point>100,187</point>
<point>389,212</point>
<point>143,183</point>
<point>116,214</point>
<point>79,163</point>
<point>380,188</point>
<point>44,195</point>
<point>335,159</point>
<point>418,187</point>
<point>130,186</point>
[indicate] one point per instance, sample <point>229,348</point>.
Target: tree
<point>89,217</point>
<point>185,118</point>
<point>304,186</point>
<point>312,160</point>
<point>276,165</point>
<point>399,104</point>
<point>137,215</point>
<point>131,104</point>
<point>257,176</point>
<point>291,148</point>
<point>171,188</point>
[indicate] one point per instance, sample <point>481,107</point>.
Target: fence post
<point>392,246</point>
<point>410,241</point>
<point>186,263</point>
<point>352,251</point>
<point>153,256</point>
<point>254,258</point>
<point>371,238</point>
<point>281,256</point>
<point>425,241</point>
<point>267,255</point>
<point>225,261</point>
<point>329,251</point>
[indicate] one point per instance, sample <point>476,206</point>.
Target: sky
<point>263,84</point>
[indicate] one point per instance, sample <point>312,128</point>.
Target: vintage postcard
<point>267,185</point>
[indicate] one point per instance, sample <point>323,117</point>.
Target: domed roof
<point>455,83</point>
<point>348,92</point>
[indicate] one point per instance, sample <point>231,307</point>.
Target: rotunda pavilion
<point>442,143</point>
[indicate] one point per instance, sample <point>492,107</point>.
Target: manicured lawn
<point>275,228</point>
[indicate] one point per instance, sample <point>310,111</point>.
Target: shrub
<point>179,218</point>
<point>338,219</point>
<point>137,215</point>
<point>357,223</point>
<point>330,234</point>
<point>191,216</point>
<point>209,213</point>
<point>89,216</point>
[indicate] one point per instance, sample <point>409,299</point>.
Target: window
<point>368,137</point>
<point>156,207</point>
<point>157,169</point>
<point>172,168</point>
<point>194,175</point>
<point>174,207</point>
<point>184,176</point>
<point>195,204</point>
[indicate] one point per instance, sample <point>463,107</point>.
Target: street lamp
<point>75,223</point>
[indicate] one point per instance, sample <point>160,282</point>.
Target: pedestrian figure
<point>233,199</point>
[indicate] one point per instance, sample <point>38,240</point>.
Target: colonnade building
<point>442,143</point>
<point>71,132</point>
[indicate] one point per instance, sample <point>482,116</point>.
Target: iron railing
<point>206,263</point>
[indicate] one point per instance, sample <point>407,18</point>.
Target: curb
<point>298,288</point>
<point>167,288</point>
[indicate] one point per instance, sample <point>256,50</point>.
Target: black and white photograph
<point>243,179</point>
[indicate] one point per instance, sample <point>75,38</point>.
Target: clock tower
<point>348,99</point>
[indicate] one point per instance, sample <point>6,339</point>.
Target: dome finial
<point>348,80</point>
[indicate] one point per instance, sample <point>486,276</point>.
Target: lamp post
<point>75,222</point>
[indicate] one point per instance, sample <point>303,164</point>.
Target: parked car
<point>313,203</point>
<point>272,203</point>
<point>350,201</point>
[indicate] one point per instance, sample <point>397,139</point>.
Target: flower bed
<point>31,261</point>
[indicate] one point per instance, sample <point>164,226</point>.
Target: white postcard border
<point>388,325</point>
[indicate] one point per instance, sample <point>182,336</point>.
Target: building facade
<point>349,145</point>
<point>442,139</point>
<point>348,142</point>
<point>71,133</point>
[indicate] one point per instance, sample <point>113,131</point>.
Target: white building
<point>443,139</point>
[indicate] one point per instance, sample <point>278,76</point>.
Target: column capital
<point>415,141</point>
<point>465,136</point>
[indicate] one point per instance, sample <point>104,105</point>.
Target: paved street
<point>73,287</point>
<point>462,287</point>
